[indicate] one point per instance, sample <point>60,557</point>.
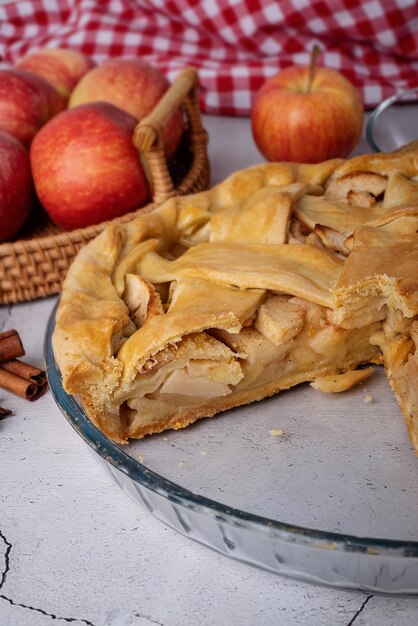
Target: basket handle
<point>148,134</point>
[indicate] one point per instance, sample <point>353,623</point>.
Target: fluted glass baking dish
<point>321,488</point>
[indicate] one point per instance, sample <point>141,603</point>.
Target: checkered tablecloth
<point>235,44</point>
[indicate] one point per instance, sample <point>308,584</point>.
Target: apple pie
<point>283,273</point>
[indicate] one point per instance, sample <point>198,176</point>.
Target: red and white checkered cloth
<point>235,44</point>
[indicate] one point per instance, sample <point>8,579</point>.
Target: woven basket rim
<point>49,241</point>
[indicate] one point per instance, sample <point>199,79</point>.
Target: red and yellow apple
<point>132,85</point>
<point>307,115</point>
<point>61,67</point>
<point>16,187</point>
<point>85,166</point>
<point>27,102</point>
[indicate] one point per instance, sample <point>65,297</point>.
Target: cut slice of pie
<point>282,274</point>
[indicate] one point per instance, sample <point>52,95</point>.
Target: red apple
<point>16,188</point>
<point>134,86</point>
<point>307,115</point>
<point>61,67</point>
<point>85,167</point>
<point>27,102</point>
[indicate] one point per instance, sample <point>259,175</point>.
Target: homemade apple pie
<point>283,273</point>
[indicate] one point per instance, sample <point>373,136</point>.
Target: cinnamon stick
<point>10,345</point>
<point>26,371</point>
<point>23,379</point>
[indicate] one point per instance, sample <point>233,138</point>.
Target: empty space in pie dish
<point>333,462</point>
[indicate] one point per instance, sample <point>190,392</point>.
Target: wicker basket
<point>35,265</point>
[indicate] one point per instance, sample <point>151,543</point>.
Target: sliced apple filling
<point>186,374</point>
<point>291,340</point>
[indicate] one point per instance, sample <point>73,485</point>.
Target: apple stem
<point>312,66</point>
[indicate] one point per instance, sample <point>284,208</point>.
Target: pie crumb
<point>368,398</point>
<point>276,432</point>
<point>203,453</point>
<point>180,464</point>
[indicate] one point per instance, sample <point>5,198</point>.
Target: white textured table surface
<point>75,549</point>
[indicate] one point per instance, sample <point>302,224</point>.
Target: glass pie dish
<point>318,489</point>
<point>392,124</point>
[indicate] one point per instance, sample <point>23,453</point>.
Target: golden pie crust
<point>283,273</point>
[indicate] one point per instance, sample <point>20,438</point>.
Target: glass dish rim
<point>138,472</point>
<point>375,114</point>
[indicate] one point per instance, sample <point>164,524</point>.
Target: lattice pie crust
<point>281,274</point>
